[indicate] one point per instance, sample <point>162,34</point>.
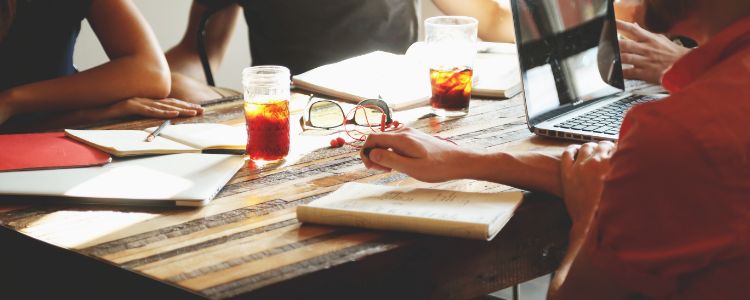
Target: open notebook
<point>183,138</point>
<point>190,179</point>
<point>430,211</point>
<point>404,81</point>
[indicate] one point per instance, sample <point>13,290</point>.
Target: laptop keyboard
<point>606,119</point>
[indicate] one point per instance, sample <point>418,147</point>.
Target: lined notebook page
<point>206,135</point>
<point>128,142</point>
<point>431,211</point>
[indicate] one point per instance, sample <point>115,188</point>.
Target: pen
<point>158,130</point>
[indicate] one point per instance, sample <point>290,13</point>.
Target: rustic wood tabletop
<point>247,243</point>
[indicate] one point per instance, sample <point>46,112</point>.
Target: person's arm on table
<point>430,159</point>
<point>137,68</point>
<point>188,78</point>
<point>495,19</point>
<point>582,176</point>
<point>576,176</point>
<point>642,238</point>
<point>150,108</point>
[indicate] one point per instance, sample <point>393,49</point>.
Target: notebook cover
<point>46,151</point>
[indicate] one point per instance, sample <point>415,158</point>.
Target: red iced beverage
<point>267,129</point>
<point>451,89</point>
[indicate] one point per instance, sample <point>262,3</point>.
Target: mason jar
<point>267,95</point>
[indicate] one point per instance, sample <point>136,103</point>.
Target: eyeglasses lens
<point>326,114</point>
<point>371,115</point>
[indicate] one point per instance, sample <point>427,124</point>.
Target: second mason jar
<point>267,112</point>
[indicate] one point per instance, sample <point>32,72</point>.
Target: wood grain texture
<point>248,244</point>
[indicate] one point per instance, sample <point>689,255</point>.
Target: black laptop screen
<point>568,54</point>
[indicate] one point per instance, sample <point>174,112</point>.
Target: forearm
<point>184,59</point>
<point>495,18</point>
<point>530,171</point>
<point>57,121</point>
<point>122,78</point>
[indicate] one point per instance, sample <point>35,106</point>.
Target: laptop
<point>571,71</point>
<point>187,179</point>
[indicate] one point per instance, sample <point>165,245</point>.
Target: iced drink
<point>451,89</point>
<point>267,129</point>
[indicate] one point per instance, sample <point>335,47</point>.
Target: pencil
<point>158,130</point>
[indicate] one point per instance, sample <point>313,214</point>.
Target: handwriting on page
<point>420,203</point>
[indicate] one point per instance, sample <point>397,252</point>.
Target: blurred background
<point>169,19</point>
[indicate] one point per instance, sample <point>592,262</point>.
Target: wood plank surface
<point>248,244</point>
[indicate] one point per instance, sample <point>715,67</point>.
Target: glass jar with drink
<point>267,112</point>
<point>451,47</point>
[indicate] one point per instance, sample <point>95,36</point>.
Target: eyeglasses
<point>329,114</point>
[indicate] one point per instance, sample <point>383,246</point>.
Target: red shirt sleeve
<point>659,221</point>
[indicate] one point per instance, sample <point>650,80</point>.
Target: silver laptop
<point>187,179</point>
<point>570,67</point>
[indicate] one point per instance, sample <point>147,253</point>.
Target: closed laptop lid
<point>188,179</point>
<point>568,53</point>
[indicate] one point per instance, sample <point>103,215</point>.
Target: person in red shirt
<point>664,213</point>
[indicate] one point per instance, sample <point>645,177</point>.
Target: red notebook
<point>46,151</point>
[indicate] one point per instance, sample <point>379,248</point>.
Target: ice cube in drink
<point>267,129</point>
<point>451,90</point>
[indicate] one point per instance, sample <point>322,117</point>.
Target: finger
<point>606,148</point>
<point>635,73</point>
<point>373,141</point>
<point>628,46</point>
<point>585,152</point>
<point>399,142</point>
<point>641,74</point>
<point>152,112</point>
<point>375,166</point>
<point>632,31</point>
<point>391,160</point>
<point>607,144</point>
<point>181,111</point>
<point>364,155</point>
<point>183,104</point>
<point>633,59</point>
<point>569,157</point>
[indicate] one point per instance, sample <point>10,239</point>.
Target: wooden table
<point>248,244</point>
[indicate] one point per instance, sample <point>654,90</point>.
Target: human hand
<point>650,54</point>
<point>163,109</point>
<point>417,154</point>
<point>582,174</point>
